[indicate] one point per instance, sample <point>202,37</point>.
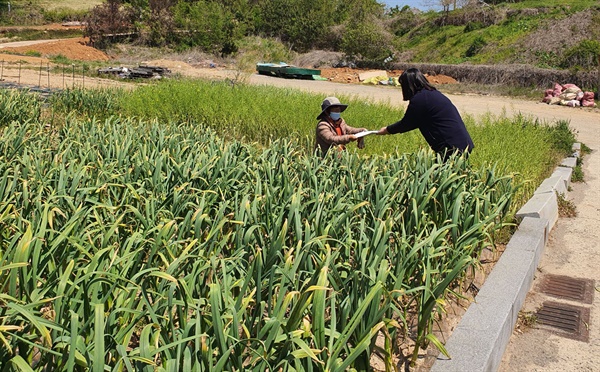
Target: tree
<point>209,25</point>
<point>108,20</point>
<point>299,23</point>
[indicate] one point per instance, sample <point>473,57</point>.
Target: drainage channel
<point>564,319</point>
<point>564,287</point>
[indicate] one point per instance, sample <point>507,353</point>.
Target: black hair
<point>413,81</point>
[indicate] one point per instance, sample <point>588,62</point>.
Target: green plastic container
<point>287,71</point>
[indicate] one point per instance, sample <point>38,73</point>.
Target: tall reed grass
<point>514,145</point>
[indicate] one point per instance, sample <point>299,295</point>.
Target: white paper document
<point>365,133</point>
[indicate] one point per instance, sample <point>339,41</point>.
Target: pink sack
<point>548,94</point>
<point>567,86</point>
<point>557,90</point>
<point>588,100</point>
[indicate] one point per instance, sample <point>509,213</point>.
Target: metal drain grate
<point>565,320</point>
<point>581,290</point>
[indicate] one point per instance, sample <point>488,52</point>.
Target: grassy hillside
<point>542,33</point>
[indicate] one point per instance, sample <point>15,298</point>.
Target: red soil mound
<point>75,49</point>
<point>350,75</point>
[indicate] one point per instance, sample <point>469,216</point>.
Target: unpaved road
<point>573,248</point>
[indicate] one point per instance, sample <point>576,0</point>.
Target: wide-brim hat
<point>331,102</point>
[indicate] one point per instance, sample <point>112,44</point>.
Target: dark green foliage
<point>472,26</point>
<point>476,46</point>
<point>562,137</point>
<point>300,23</point>
<point>502,32</point>
<point>403,21</point>
<point>585,55</point>
<point>210,25</point>
<point>366,41</point>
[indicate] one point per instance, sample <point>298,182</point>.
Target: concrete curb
<point>480,339</point>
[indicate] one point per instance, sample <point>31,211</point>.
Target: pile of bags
<point>568,95</point>
<point>382,80</point>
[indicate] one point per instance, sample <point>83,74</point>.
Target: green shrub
<point>585,55</point>
<point>476,46</point>
<point>562,136</point>
<point>472,26</point>
<point>210,25</point>
<point>367,41</point>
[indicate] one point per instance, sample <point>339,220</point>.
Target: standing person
<point>433,114</point>
<point>332,130</point>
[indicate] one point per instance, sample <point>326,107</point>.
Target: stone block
<point>480,339</point>
<point>570,162</point>
<point>541,206</point>
<point>552,184</point>
<point>565,173</point>
<point>576,146</point>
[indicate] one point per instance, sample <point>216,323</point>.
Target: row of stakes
<point>72,73</point>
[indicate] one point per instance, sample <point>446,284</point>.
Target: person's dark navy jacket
<point>437,119</point>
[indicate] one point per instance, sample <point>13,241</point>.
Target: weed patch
<point>566,207</point>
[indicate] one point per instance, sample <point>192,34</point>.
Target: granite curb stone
<point>480,339</point>
<point>570,162</point>
<point>552,184</point>
<point>543,205</point>
<point>565,173</point>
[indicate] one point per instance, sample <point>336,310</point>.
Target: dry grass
<point>565,33</point>
<point>134,54</point>
<point>69,4</point>
<point>318,58</point>
<point>510,75</point>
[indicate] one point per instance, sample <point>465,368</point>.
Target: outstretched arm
<point>326,135</point>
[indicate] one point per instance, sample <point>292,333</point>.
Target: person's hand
<point>361,143</point>
<point>353,137</point>
<point>382,131</point>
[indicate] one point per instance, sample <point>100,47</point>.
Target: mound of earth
<point>75,49</point>
<point>350,75</point>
